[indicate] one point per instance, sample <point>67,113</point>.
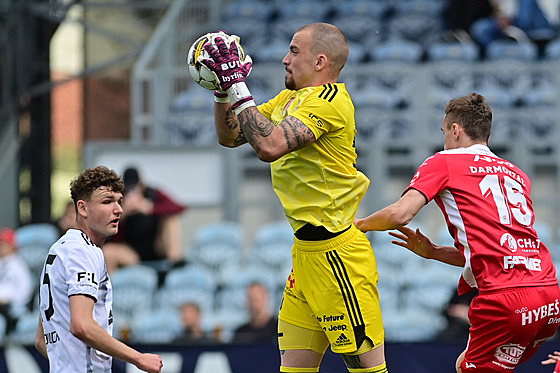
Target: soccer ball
<point>199,72</point>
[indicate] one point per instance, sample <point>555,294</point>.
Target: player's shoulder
<point>330,92</point>
<point>73,242</point>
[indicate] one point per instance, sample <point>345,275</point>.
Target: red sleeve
<point>431,177</point>
<point>165,206</point>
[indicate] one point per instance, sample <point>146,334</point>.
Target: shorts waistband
<point>326,245</point>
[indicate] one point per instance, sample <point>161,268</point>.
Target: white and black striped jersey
<point>74,266</point>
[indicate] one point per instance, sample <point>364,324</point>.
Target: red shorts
<point>509,326</point>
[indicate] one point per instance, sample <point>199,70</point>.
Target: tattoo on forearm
<point>232,123</point>
<point>297,134</point>
<point>256,126</point>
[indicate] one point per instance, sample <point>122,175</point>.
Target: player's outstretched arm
<point>421,245</point>
<point>84,327</point>
<point>393,216</point>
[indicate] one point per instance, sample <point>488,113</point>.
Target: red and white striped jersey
<point>488,209</point>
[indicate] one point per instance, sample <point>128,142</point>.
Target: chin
<point>289,83</point>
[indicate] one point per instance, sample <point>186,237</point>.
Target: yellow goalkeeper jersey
<point>319,184</point>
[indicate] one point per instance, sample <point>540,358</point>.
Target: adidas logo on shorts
<point>342,340</point>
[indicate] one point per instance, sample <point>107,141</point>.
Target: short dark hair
<point>473,113</point>
<point>83,186</point>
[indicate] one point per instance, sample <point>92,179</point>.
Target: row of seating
<point>413,291</point>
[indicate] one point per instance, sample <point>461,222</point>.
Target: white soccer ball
<point>199,72</point>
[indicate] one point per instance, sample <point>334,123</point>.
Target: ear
<point>82,208</point>
<point>320,62</point>
<point>457,129</point>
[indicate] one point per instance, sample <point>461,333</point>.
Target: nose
<point>285,60</point>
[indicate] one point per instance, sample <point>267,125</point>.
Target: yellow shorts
<point>333,289</point>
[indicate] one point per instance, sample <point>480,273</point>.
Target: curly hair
<point>82,187</point>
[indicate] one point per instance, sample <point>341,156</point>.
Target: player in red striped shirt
<point>489,212</point>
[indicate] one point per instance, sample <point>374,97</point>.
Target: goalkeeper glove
<point>231,72</point>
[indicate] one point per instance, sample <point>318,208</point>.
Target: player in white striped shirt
<point>75,329</point>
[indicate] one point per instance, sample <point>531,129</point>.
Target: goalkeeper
<point>307,133</point>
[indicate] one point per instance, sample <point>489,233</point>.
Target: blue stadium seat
<point>217,243</point>
<point>248,9</point>
<point>34,242</point>
<point>188,284</point>
<point>552,50</point>
<point>509,49</point>
<point>272,246</point>
<point>253,31</point>
<point>26,329</point>
<point>311,9</point>
<point>133,290</point>
<point>448,79</point>
<point>284,28</point>
<point>361,29</point>
<point>421,28</point>
<point>433,8</point>
<point>455,51</point>
<point>504,85</point>
<point>161,326</point>
<point>374,10</point>
<point>234,281</point>
<point>400,50</point>
<point>542,92</point>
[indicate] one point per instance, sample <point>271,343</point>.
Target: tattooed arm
<point>270,142</point>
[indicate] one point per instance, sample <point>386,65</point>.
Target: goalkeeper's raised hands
<point>226,62</point>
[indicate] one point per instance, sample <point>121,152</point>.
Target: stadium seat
<point>508,49</point>
<point>371,123</point>
<point>133,290</point>
<point>433,8</point>
<point>248,9</point>
<point>34,242</point>
<point>192,127</point>
<point>399,50</point>
<point>193,99</point>
<point>454,51</point>
<point>253,31</point>
<point>188,284</point>
<point>272,246</point>
<point>284,28</point>
<point>311,9</point>
<point>504,85</point>
<point>360,29</point>
<point>158,327</point>
<point>374,10</point>
<point>539,127</point>
<point>234,281</point>
<point>448,79</point>
<point>410,325</point>
<point>552,50</point>
<point>26,329</point>
<point>542,91</point>
<point>216,244</point>
<point>273,51</point>
<point>420,28</point>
